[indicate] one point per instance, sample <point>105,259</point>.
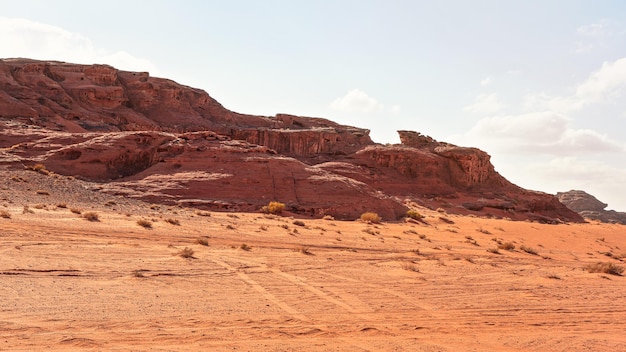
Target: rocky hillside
<point>590,207</point>
<point>154,139</point>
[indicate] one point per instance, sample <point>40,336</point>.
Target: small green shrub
<point>370,217</point>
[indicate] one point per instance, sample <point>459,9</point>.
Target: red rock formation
<point>158,140</point>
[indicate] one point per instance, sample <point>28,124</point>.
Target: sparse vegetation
<point>446,220</point>
<point>410,266</point>
<point>186,252</point>
<point>230,227</point>
<point>27,210</point>
<point>138,273</point>
<point>305,250</point>
<point>298,223</point>
<point>62,205</point>
<point>91,216</point>
<point>144,223</point>
<point>507,246</point>
<point>371,232</point>
<point>493,250</point>
<point>370,217</point>
<point>5,214</point>
<point>172,221</point>
<point>203,213</point>
<point>76,211</point>
<point>605,267</point>
<point>203,241</point>
<point>273,208</point>
<point>414,214</point>
<point>40,168</point>
<point>481,230</point>
<point>42,192</point>
<point>245,247</point>
<point>528,250</point>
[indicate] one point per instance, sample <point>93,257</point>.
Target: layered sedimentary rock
<point>590,207</point>
<point>155,139</point>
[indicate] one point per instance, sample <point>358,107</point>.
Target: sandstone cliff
<point>154,139</point>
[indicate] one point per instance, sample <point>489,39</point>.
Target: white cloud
<point>396,109</point>
<point>547,133</point>
<point>357,101</point>
<point>597,35</point>
<point>592,176</point>
<point>29,39</point>
<point>606,85</point>
<point>486,81</point>
<point>485,104</point>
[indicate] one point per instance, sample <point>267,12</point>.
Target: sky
<point>539,85</point>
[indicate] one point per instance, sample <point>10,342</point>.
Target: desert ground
<point>163,278</point>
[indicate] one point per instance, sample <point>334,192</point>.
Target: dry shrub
<point>42,192</point>
<point>172,221</point>
<point>446,220</point>
<point>298,223</point>
<point>5,214</point>
<point>529,250</point>
<point>245,247</point>
<point>410,267</point>
<point>414,214</point>
<point>27,210</point>
<point>370,217</point>
<point>305,250</point>
<point>41,168</point>
<point>186,253</point>
<point>62,205</point>
<point>144,223</point>
<point>204,241</point>
<point>91,216</point>
<point>76,211</point>
<point>508,246</point>
<point>138,273</point>
<point>605,267</point>
<point>203,213</point>
<point>493,250</point>
<point>273,208</point>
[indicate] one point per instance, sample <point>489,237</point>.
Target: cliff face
<point>155,139</point>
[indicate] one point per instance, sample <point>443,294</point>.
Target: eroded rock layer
<point>154,139</point>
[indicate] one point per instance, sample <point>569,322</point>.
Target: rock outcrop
<point>590,207</point>
<point>154,139</point>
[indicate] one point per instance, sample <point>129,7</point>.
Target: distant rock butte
<point>154,139</point>
<point>590,207</point>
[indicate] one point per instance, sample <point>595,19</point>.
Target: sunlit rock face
<point>158,140</point>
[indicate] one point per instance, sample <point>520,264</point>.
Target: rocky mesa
<point>154,139</point>
<point>589,207</point>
